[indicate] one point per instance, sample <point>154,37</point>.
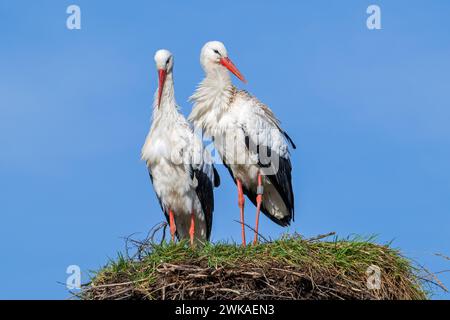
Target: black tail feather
<point>216,178</point>
<point>290,140</point>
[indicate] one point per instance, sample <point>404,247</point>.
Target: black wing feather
<point>282,181</point>
<point>205,194</point>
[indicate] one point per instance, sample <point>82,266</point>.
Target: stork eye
<point>168,60</point>
<point>217,51</point>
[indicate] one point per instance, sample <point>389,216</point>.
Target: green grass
<point>329,269</point>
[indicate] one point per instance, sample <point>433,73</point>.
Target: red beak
<point>227,63</point>
<point>162,80</point>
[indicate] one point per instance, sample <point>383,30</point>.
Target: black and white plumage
<point>182,177</point>
<point>246,135</point>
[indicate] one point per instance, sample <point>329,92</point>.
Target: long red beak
<point>162,80</point>
<point>227,63</point>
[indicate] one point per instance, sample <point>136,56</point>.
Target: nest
<point>287,269</point>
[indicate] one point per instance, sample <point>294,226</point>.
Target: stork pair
<point>246,135</point>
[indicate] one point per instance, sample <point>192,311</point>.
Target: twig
<point>431,275</point>
<point>116,284</point>
<point>321,236</point>
<point>442,256</point>
<point>251,228</point>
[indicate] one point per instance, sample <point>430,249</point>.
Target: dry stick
<point>321,236</point>
<point>125,297</point>
<point>251,228</point>
<point>438,283</point>
<point>173,267</point>
<point>216,271</point>
<point>291,272</point>
<point>433,276</point>
<point>443,271</point>
<point>442,256</point>
<point>271,286</point>
<point>229,290</point>
<point>163,226</point>
<point>148,242</point>
<point>253,274</point>
<point>116,284</point>
<point>433,282</point>
<point>118,293</point>
<point>127,240</point>
<point>163,287</point>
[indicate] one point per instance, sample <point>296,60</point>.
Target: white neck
<point>212,95</point>
<point>168,105</point>
<point>218,77</point>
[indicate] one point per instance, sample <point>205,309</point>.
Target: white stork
<point>182,180</point>
<point>248,137</point>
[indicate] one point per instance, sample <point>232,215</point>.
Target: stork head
<point>164,65</point>
<point>215,55</point>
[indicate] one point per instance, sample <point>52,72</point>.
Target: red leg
<point>259,193</point>
<point>192,228</point>
<point>241,203</point>
<point>173,228</point>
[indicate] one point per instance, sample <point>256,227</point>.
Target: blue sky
<point>368,110</point>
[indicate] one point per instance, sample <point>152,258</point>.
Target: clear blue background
<point>369,111</point>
